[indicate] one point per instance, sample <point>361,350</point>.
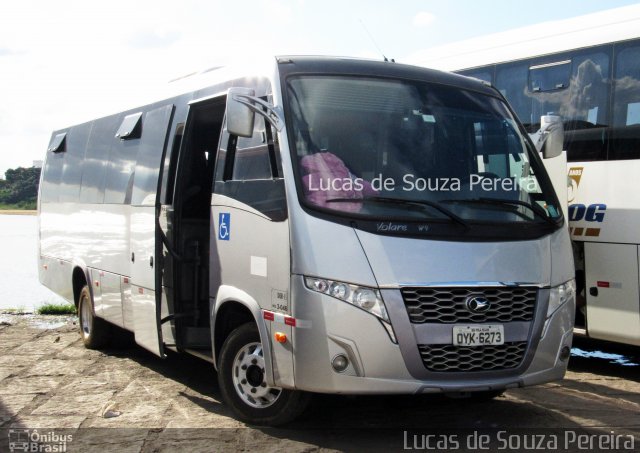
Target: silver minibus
<point>317,225</point>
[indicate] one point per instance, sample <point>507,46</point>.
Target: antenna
<point>374,42</point>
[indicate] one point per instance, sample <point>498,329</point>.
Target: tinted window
<point>155,127</point>
<point>69,189</point>
<point>585,107</point>
<point>626,108</point>
<point>51,175</point>
<point>96,160</point>
<point>549,76</point>
<point>252,155</point>
<point>249,178</point>
<point>120,168</point>
<point>547,88</point>
<point>511,80</point>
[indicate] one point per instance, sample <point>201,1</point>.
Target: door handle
<point>151,261</point>
<point>133,257</point>
<point>593,291</point>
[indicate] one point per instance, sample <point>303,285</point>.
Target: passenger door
<point>146,289</point>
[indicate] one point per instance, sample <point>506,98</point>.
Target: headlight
<point>558,295</point>
<point>368,299</point>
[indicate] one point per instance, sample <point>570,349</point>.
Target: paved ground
<point>50,382</point>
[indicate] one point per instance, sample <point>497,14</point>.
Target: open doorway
<point>193,180</point>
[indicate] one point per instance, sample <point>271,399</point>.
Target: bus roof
<point>265,67</point>
<point>611,25</point>
<point>376,68</point>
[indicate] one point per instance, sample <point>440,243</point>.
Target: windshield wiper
<point>401,201</point>
<point>536,209</point>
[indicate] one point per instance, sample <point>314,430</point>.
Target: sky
<point>67,61</point>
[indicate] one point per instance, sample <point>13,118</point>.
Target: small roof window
<point>58,143</point>
<point>550,76</point>
<point>131,127</point>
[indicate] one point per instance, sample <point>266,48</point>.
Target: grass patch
<point>57,309</point>
<point>21,206</point>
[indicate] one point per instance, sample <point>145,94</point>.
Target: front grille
<point>450,358</point>
<point>448,305</point>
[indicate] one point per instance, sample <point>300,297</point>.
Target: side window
<point>69,189</point>
<point>625,143</point>
<point>585,108</point>
<point>512,82</point>
<point>121,163</point>
<point>52,170</point>
<point>249,170</point>
<point>152,142</point>
<point>97,160</point>
<point>548,87</point>
<point>252,155</point>
<point>549,76</point>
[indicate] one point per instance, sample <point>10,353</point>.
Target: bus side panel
<point>613,310</point>
<point>92,235</point>
<point>56,274</point>
<point>111,298</point>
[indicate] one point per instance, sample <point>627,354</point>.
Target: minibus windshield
<point>390,149</point>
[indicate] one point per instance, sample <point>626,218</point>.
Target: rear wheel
<point>94,331</point>
<point>243,385</point>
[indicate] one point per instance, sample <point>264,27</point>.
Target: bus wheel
<point>241,375</point>
<point>94,331</point>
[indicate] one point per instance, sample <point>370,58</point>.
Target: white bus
<point>322,225</point>
<point>586,70</point>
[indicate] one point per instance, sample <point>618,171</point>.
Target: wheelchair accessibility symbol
<point>224,226</point>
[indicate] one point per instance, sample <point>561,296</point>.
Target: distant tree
<point>20,186</point>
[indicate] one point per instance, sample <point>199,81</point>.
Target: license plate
<point>478,335</point>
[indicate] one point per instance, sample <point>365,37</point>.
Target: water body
<point>19,285</point>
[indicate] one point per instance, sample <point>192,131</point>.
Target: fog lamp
<point>340,363</point>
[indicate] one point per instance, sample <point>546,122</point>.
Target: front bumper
<point>380,366</point>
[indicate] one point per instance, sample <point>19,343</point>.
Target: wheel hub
<point>248,377</point>
<point>254,375</point>
<point>85,315</point>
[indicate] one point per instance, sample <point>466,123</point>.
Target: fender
<point>78,263</point>
<point>228,294</point>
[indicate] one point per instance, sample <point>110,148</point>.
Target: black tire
<point>286,406</point>
<point>95,332</point>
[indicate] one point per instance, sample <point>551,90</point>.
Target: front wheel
<point>94,331</point>
<point>241,374</point>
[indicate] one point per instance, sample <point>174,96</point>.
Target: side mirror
<point>551,136</point>
<point>239,116</point>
